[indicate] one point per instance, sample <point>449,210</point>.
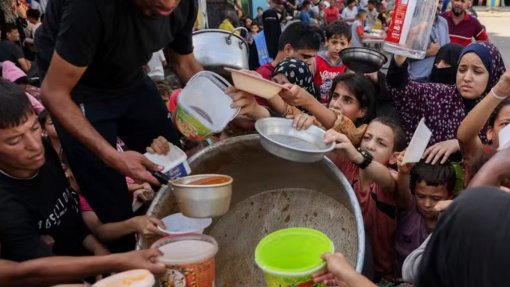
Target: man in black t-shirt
<point>35,198</point>
<point>9,48</point>
<point>91,54</point>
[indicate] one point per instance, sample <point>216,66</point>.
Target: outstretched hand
<point>301,121</point>
<point>441,151</point>
<point>343,146</point>
<point>159,145</point>
<point>404,168</point>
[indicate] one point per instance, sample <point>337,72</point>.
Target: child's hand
<point>441,151</point>
<point>503,86</point>
<point>159,145</point>
<point>339,271</point>
<point>442,205</point>
<point>145,193</point>
<point>403,168</point>
<point>48,240</point>
<point>247,103</point>
<point>301,121</point>
<point>141,259</point>
<point>373,76</point>
<point>296,96</point>
<point>147,225</point>
<point>399,59</point>
<point>343,146</point>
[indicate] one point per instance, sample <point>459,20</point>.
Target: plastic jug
<point>409,32</point>
<point>203,108</point>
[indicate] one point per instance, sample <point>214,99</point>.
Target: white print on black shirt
<point>68,200</point>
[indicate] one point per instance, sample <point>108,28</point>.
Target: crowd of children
<point>371,118</point>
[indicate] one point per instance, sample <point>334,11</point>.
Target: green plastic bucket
<point>289,257</point>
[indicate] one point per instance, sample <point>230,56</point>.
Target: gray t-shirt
<point>356,39</point>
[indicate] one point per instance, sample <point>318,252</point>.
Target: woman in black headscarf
<point>470,245</point>
<point>445,65</point>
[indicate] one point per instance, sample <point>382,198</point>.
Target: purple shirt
<point>441,105</point>
<point>411,232</point>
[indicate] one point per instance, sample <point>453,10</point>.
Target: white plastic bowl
<point>180,224</point>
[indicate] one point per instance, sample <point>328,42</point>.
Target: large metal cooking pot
<point>216,48</point>
<point>270,193</point>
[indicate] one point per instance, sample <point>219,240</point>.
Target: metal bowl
<point>362,60</point>
<point>202,200</point>
<point>278,137</point>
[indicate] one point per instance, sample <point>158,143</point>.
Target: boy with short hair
<point>358,30</point>
<point>424,187</point>
<point>35,197</point>
<point>298,40</point>
<point>327,64</point>
<point>374,183</point>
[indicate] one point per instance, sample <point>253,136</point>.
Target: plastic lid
<point>186,249</point>
<point>293,251</point>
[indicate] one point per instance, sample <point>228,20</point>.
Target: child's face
<point>379,140</point>
<point>346,102</point>
<point>254,29</point>
<point>303,54</point>
<point>427,197</point>
<point>336,44</point>
<point>280,79</point>
<point>502,120</point>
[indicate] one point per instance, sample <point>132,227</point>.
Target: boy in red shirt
<point>374,183</point>
<point>327,64</point>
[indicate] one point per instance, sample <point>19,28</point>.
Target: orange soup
<point>210,180</point>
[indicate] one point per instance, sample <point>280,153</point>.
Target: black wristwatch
<point>367,158</point>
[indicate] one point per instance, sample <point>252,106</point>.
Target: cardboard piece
<point>418,144</point>
<point>504,138</point>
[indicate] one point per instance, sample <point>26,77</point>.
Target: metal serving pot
<point>216,48</point>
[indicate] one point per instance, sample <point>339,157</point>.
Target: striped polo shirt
<point>467,29</point>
